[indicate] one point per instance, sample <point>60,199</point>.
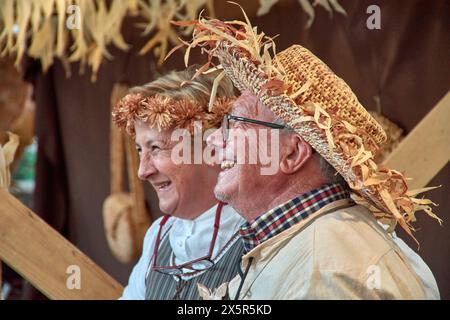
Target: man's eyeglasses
<point>199,264</point>
<point>228,117</point>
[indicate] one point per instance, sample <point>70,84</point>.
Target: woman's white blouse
<point>189,239</point>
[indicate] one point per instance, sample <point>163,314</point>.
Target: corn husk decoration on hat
<point>302,91</point>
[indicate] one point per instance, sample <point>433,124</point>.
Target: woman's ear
<point>294,153</point>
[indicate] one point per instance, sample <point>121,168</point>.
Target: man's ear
<point>294,154</point>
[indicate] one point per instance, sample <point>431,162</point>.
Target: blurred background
<point>61,70</point>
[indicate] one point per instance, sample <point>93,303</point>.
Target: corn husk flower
<point>164,113</point>
<point>186,113</point>
<point>220,108</point>
<point>157,110</point>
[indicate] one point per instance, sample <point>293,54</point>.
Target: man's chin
<point>222,197</point>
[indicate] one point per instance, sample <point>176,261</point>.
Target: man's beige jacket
<point>339,252</point>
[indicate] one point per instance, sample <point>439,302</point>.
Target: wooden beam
<point>426,149</point>
<point>42,256</point>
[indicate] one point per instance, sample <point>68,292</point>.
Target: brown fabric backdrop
<point>405,65</point>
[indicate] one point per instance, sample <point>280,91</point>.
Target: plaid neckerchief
<point>288,214</point>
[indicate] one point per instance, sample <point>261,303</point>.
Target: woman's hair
<point>178,85</point>
<point>176,100</point>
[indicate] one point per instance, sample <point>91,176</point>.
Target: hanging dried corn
<point>40,27</point>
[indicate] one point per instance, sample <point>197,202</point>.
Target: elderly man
<point>313,227</point>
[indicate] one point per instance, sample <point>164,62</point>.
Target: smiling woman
<point>151,113</point>
<point>196,229</point>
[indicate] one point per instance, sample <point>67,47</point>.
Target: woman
<point>198,240</point>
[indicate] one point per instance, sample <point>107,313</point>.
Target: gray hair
<point>329,172</point>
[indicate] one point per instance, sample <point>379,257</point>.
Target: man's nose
<point>146,168</point>
<point>215,140</point>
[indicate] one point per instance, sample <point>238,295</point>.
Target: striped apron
<point>168,287</point>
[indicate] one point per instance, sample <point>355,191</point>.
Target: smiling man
<point>316,228</point>
<point>302,221</point>
<point>197,239</point>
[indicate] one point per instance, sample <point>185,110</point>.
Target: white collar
<point>190,239</point>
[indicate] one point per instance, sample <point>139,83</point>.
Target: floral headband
<point>167,113</point>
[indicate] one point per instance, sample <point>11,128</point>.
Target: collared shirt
<point>189,239</point>
<point>288,214</point>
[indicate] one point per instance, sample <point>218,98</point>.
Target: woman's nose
<point>146,168</point>
<point>215,140</point>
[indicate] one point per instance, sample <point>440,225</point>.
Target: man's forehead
<point>249,106</point>
<point>246,104</point>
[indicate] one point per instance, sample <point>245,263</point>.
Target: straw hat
<point>302,91</point>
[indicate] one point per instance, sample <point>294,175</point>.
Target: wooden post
<point>426,149</point>
<point>45,258</point>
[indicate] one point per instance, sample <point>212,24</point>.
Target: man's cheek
<point>237,147</point>
<point>243,180</point>
<point>269,154</point>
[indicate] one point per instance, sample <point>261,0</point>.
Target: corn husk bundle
<point>42,28</point>
<point>158,16</point>
<point>301,90</point>
<point>307,6</point>
<point>44,24</point>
